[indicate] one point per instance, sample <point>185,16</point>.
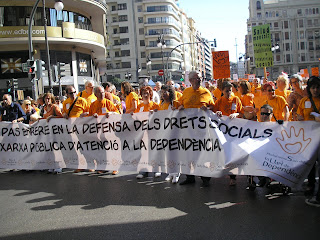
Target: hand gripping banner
<point>191,141</point>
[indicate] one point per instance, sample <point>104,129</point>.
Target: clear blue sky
<point>224,20</point>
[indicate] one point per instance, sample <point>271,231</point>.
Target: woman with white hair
<point>31,113</point>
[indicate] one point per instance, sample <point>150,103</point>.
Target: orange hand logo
<point>293,143</point>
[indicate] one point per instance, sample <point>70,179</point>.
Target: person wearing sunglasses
<point>10,111</point>
<point>74,106</point>
<point>31,113</point>
<point>278,103</point>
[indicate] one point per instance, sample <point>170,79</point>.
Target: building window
<point>288,58</point>
<point>113,8</point>
<point>258,5</point>
<point>117,54</point>
<point>115,30</point>
<point>300,23</point>
<point>276,24</point>
<point>139,8</point>
<point>277,37</point>
<point>143,54</point>
<point>285,24</point>
<point>141,31</point>
<point>123,18</point>
<point>125,53</point>
<point>301,34</point>
<point>311,47</point>
<point>286,35</point>
<point>124,29</point>
<point>126,64</point>
<point>114,19</point>
<point>278,58</point>
<point>258,15</point>
<point>122,6</point>
<point>124,41</point>
<point>299,12</point>
<point>140,19</point>
<point>142,43</point>
<point>287,46</point>
<point>302,57</point>
<point>309,22</point>
<point>302,46</point>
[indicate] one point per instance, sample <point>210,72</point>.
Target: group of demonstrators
<point>285,100</point>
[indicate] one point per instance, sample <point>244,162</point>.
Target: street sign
<point>160,72</point>
<point>268,74</point>
<point>25,67</point>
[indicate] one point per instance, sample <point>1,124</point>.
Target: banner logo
<point>293,143</point>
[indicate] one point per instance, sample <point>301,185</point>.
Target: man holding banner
<point>196,97</point>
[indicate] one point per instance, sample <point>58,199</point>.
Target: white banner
<point>190,141</point>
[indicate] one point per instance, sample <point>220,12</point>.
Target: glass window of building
<point>287,46</point>
<point>125,53</point>
<point>258,5</point>
<point>302,46</point>
<point>286,35</point>
<point>139,8</point>
<point>140,19</point>
<point>143,54</point>
<point>124,29</point>
<point>276,24</point>
<point>124,41</point>
<point>299,12</point>
<point>126,64</point>
<point>123,18</point>
<point>141,31</point>
<point>117,54</point>
<point>288,59</point>
<point>285,24</point>
<point>142,43</point>
<point>122,6</point>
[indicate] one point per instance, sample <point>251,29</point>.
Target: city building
<point>295,34</point>
<point>148,36</point>
<point>76,37</point>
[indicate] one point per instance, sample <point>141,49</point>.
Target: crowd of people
<point>286,99</point>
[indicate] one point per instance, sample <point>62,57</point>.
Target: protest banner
<point>261,39</point>
<point>315,71</point>
<point>190,141</point>
<point>221,64</point>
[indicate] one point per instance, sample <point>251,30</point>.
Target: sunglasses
<point>265,114</point>
<point>272,90</point>
<point>72,92</point>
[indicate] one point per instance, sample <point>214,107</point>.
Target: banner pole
<point>265,72</point>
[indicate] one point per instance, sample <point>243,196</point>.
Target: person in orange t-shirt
<point>256,88</point>
<point>79,109</point>
<point>101,106</point>
<point>196,97</point>
<point>87,93</point>
<point>51,110</point>
<point>228,105</point>
<point>132,98</point>
<point>231,106</point>
<point>278,103</point>
<point>282,87</point>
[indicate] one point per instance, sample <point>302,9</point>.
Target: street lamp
<point>162,44</point>
<point>274,49</point>
<point>58,6</point>
<point>128,75</point>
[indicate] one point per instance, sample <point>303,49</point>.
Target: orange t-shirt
<point>196,98</point>
<point>228,105</point>
<point>165,106</point>
<point>247,100</point>
<point>305,108</point>
<point>129,98</point>
<point>278,104</point>
<point>54,111</point>
<point>147,107</point>
<point>89,98</point>
<point>102,107</point>
<point>79,107</point>
<point>284,93</point>
<point>217,93</point>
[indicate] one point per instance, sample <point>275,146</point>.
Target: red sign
<point>268,74</point>
<point>160,72</point>
<point>221,64</point>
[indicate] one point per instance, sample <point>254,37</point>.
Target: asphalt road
<point>37,205</point>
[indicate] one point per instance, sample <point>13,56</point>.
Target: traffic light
<point>14,84</point>
<point>40,68</point>
<point>55,73</point>
<point>61,69</point>
<point>181,79</point>
<point>32,66</point>
<point>9,85</point>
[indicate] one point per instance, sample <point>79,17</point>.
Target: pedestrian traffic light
<point>181,79</point>
<point>32,68</point>
<point>14,84</point>
<point>61,69</point>
<point>40,68</point>
<point>9,85</point>
<point>55,73</point>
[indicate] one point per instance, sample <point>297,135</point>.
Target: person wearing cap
<point>278,103</point>
<point>196,97</point>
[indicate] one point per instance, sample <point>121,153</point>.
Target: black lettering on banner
<point>202,120</point>
<point>125,145</point>
<point>57,129</point>
<point>268,132</point>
